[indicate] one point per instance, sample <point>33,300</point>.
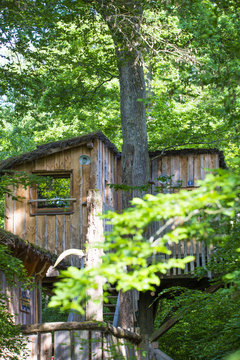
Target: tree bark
<point>124,21</point>
<point>135,158</point>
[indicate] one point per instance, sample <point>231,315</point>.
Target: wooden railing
<point>198,249</point>
<point>81,341</point>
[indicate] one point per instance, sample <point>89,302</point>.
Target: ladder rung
<point>110,313</point>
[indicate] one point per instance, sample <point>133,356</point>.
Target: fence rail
<point>81,341</point>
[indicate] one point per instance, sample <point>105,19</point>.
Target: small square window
<point>53,195</point>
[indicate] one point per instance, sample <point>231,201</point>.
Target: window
<point>52,194</point>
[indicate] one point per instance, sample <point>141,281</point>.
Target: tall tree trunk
<point>124,21</point>
<point>135,158</point>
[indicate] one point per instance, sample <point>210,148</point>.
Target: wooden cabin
<point>78,164</point>
<point>58,221</point>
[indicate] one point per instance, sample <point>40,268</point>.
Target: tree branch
<point>194,143</point>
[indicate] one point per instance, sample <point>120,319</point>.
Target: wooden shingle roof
<point>55,146</point>
<point>34,258</point>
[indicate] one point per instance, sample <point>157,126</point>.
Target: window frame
<point>34,210</point>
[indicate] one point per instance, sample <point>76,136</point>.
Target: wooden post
<point>94,310</point>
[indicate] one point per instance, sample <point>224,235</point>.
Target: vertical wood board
<point>51,232</point>
<point>96,345</point>
<point>20,209</point>
<point>40,230</point>
<point>75,223</point>
<point>59,235</point>
<point>32,347</point>
<point>46,346</point>
<point>80,342</point>
<point>197,169</point>
<point>183,170</point>
<point>62,345</point>
<point>9,220</point>
<point>190,171</point>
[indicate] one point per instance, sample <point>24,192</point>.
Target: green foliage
<point>54,188</point>
<point>12,267</point>
<point>51,315</point>
<point>11,342</point>
<point>60,72</point>
<point>208,327</point>
<point>209,323</point>
<point>59,78</point>
<point>235,356</point>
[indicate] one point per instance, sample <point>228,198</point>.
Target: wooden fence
<point>81,341</point>
<point>198,249</point>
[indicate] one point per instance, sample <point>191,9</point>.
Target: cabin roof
<point>23,249</point>
<point>56,146</point>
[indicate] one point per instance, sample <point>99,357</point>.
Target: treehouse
<point>59,212</point>
<point>53,214</point>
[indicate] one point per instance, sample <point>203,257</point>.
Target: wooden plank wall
<point>57,233</point>
<point>108,173</point>
<point>81,345</point>
<point>13,294</point>
<point>182,169</point>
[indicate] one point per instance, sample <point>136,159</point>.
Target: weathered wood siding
<point>108,171</point>
<point>57,233</point>
<point>183,168</point>
<point>186,170</point>
<point>13,295</point>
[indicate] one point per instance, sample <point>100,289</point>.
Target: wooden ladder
<point>111,308</point>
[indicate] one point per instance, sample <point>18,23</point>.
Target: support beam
<point>94,310</point>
